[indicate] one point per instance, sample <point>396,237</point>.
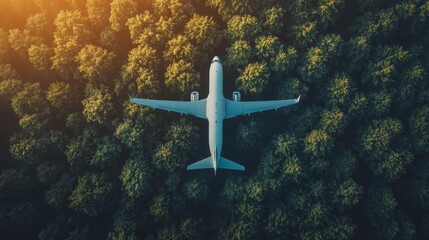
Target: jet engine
<point>236,97</point>
<point>194,96</point>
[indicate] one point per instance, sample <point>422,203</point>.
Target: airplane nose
<point>216,59</point>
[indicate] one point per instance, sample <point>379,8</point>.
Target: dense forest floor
<point>79,161</point>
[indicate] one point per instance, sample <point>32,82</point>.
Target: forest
<point>79,161</point>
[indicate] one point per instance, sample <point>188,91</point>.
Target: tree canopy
<point>78,160</point>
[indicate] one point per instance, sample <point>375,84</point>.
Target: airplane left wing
<point>233,108</point>
<point>196,108</point>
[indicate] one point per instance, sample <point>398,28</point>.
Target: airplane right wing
<point>233,108</point>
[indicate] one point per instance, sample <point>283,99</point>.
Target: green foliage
<point>378,137</point>
<point>9,88</point>
<point>135,177</point>
<point>120,11</point>
<point>340,90</point>
<point>333,122</point>
<point>71,34</point>
<point>254,78</point>
<point>180,141</point>
<point>159,207</point>
<point>97,10</point>
<point>21,40</point>
<point>242,28</point>
<point>382,71</point>
<point>7,72</point>
<point>239,54</point>
<point>78,160</point>
<point>419,125</point>
<point>59,94</point>
<point>98,106</point>
<point>139,24</point>
<point>94,62</point>
<point>181,77</point>
<point>106,152</point>
<point>57,194</point>
<point>4,45</point>
<point>196,189</point>
<point>348,194</point>
<point>274,19</point>
<point>203,31</point>
<point>90,194</point>
<point>318,143</point>
<point>40,56</point>
<point>139,71</point>
<point>180,49</point>
<point>318,58</point>
<point>249,134</point>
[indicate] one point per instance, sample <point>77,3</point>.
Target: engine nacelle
<point>236,96</point>
<point>194,96</point>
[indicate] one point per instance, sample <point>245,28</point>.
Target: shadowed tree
<point>135,177</point>
<point>4,45</point>
<point>40,56</point>
<point>21,40</point>
<point>137,127</point>
<point>39,25</point>
<point>8,88</point>
<point>107,152</point>
<point>317,61</point>
<point>419,124</point>
<point>347,195</point>
<point>97,12</point>
<point>61,95</point>
<point>377,139</point>
<point>90,194</point>
<point>57,194</point>
<point>274,18</point>
<point>196,189</point>
<point>180,140</point>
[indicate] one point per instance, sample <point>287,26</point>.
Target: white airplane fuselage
<point>215,110</point>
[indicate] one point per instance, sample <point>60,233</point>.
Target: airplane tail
<point>228,164</point>
<point>203,164</point>
<point>223,163</point>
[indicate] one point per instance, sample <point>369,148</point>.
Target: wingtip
<point>299,97</point>
<point>131,99</point>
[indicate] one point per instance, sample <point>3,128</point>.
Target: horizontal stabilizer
<point>228,164</point>
<point>203,164</point>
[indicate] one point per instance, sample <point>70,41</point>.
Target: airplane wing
<point>233,108</point>
<point>196,108</point>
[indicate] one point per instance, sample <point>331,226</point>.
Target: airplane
<point>215,108</point>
